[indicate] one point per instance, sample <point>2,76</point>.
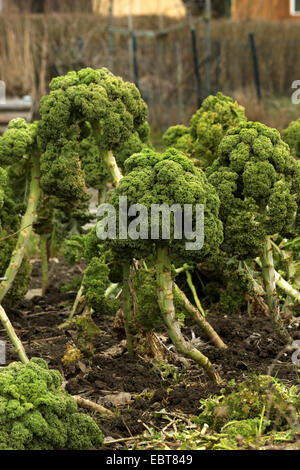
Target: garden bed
<point>134,387</point>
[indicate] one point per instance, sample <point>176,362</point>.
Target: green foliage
<point>245,428</point>
<point>171,178</point>
<point>207,128</point>
<point>44,220</point>
<point>178,137</point>
<point>2,189</point>
<point>257,397</point>
<point>37,414</point>
<point>74,249</point>
<point>95,283</point>
<point>236,435</point>
<point>135,144</point>
<point>9,225</point>
<point>257,181</point>
<point>65,220</point>
<point>3,196</point>
<point>91,157</point>
<point>74,285</point>
<point>84,109</point>
<point>17,142</point>
<point>59,220</point>
<point>210,123</point>
<point>55,218</point>
<point>93,246</point>
<point>86,333</point>
<point>61,171</point>
<point>148,311</point>
<point>232,301</point>
<point>240,281</point>
<point>20,285</point>
<point>18,145</point>
<point>287,258</point>
<point>291,136</point>
<point>228,283</point>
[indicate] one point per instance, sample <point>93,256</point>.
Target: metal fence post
<point>255,65</point>
<point>196,65</point>
<point>135,61</point>
<point>208,45</point>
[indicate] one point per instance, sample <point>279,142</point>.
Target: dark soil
<point>252,348</point>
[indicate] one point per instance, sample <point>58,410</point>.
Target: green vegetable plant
<point>136,143</point>
<point>179,137</point>
<point>256,397</point>
<point>258,183</point>
<point>210,123</point>
<point>207,128</point>
<point>27,208</point>
<point>37,414</point>
<point>9,224</point>
<point>291,135</point>
<point>97,290</point>
<point>88,115</point>
<point>56,221</point>
<point>10,214</point>
<point>81,104</point>
<point>151,178</point>
<point>47,155</point>
<point>19,153</point>
<point>287,271</point>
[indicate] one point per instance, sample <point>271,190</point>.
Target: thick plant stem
<point>13,336</point>
<point>283,284</point>
<point>90,405</point>
<point>44,254</point>
<point>268,272</point>
<point>166,303</point>
<point>286,287</point>
<point>198,319</point>
<point>76,302</point>
<point>79,296</point>
<point>194,292</point>
<point>113,168</point>
<point>109,160</point>
<point>26,222</point>
<point>127,308</point>
<point>110,290</point>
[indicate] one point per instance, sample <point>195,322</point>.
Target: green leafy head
<point>86,113</point>
<point>258,184</point>
<point>36,413</point>
<point>166,181</point>
<point>136,143</point>
<point>210,123</point>
<point>114,108</point>
<point>178,137</point>
<point>17,142</point>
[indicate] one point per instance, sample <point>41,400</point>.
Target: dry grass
<point>36,47</point>
<point>275,112</point>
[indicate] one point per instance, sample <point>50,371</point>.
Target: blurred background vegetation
<point>44,38</point>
